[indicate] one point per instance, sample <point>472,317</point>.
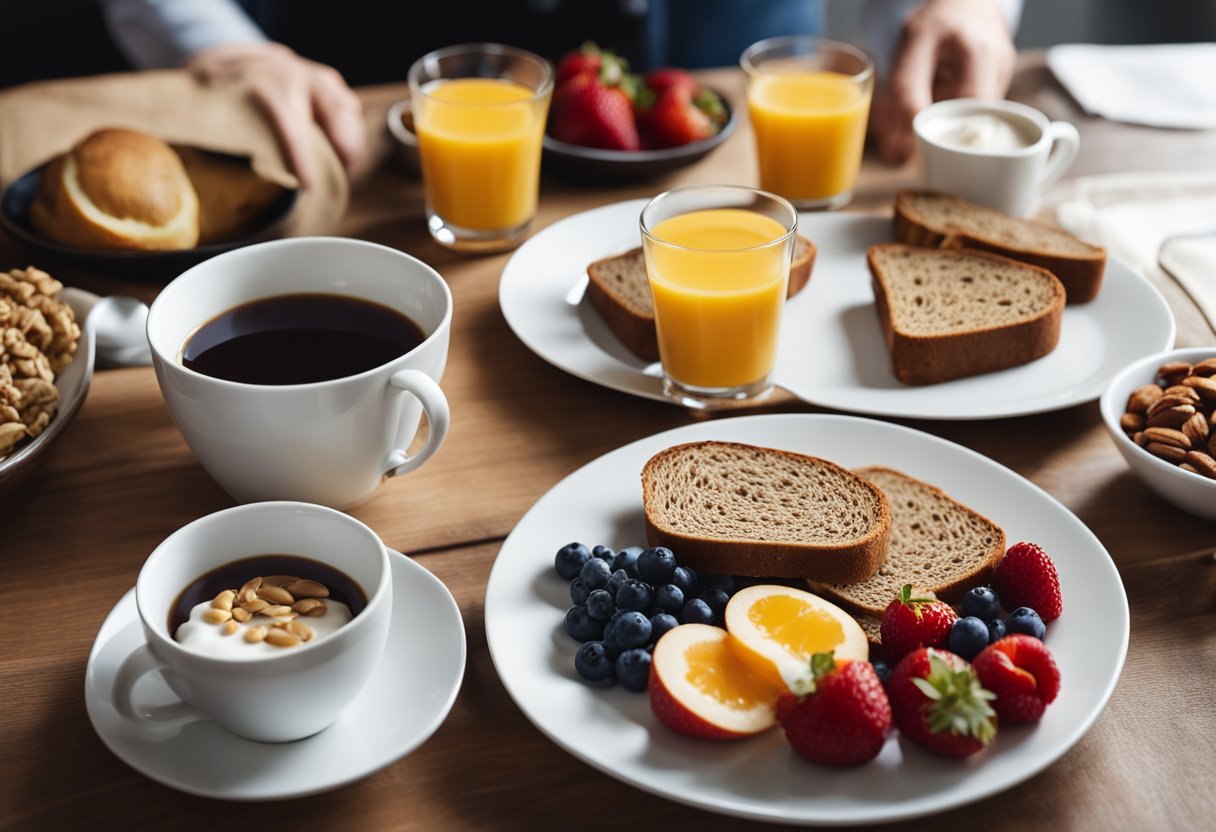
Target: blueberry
<point>685,579</point>
<point>996,630</point>
<point>882,669</point>
<point>627,559</point>
<point>716,599</point>
<point>634,595</point>
<point>633,630</point>
<point>616,582</point>
<point>669,598</point>
<point>600,605</point>
<point>660,623</point>
<point>610,642</point>
<point>581,626</point>
<point>595,573</point>
<point>633,669</point>
<point>696,611</point>
<point>968,637</point>
<point>726,583</point>
<point>579,591</point>
<point>593,662</point>
<point>982,603</point>
<point>1025,620</point>
<point>603,553</point>
<point>657,565</point>
<point>570,559</point>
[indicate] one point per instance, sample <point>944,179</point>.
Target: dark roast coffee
<point>300,339</point>
<point>341,586</point>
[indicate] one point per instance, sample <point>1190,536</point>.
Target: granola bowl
<point>1154,464</point>
<point>73,385</point>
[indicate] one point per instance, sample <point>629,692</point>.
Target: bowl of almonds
<point>1161,413</point>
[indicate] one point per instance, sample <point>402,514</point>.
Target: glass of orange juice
<point>479,113</point>
<point>808,100</point>
<point>718,262</point>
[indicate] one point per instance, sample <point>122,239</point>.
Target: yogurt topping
<point>210,639</point>
<point>978,131</point>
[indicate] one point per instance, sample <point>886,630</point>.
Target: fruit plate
<point>761,778</point>
<point>831,352</point>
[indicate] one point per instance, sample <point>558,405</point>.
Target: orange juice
<point>718,278</point>
<point>810,130</point>
<point>480,143</point>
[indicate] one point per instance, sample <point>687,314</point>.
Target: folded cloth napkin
<point>1157,223</point>
<point>41,120</point>
<point>1162,85</point>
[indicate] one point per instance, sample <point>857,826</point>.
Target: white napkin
<point>1163,85</point>
<point>1150,221</point>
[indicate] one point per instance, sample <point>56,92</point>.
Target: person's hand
<point>295,92</point>
<point>947,49</point>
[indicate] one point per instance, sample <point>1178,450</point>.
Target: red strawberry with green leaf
<point>842,715</point>
<point>666,77</point>
<point>1022,673</point>
<point>1027,577</point>
<point>595,109</point>
<point>911,621</point>
<point>586,58</point>
<point>938,703</point>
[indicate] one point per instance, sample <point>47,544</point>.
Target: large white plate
<point>761,778</point>
<point>405,701</point>
<point>832,352</point>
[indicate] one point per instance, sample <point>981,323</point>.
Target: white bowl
<point>1193,493</point>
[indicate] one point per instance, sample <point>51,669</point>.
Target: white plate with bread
<point>760,777</point>
<point>833,351</point>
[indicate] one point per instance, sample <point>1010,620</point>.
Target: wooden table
<point>73,539</point>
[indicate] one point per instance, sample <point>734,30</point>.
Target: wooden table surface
<point>74,537</point>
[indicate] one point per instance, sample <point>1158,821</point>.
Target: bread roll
<point>118,189</point>
<point>232,198</point>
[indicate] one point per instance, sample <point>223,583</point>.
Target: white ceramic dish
<point>405,701</point>
<point>1192,493</point>
<point>761,778</point>
<point>832,352</point>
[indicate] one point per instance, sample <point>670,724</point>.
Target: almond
<point>1142,398</point>
<point>1202,463</point>
<point>1197,430</point>
<point>1205,368</point>
<point>1171,417</point>
<point>1205,388</point>
<point>1173,372</point>
<point>1168,436</point>
<point>1170,453</point>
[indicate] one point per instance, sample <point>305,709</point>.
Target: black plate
<point>589,164</point>
<point>161,265</point>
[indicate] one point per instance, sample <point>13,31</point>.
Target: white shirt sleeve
<point>156,34</point>
<point>882,21</point>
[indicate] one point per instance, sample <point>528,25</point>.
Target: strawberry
<point>674,120</point>
<point>586,58</point>
<point>909,623</point>
<point>1027,577</point>
<point>937,702</point>
<point>595,109</point>
<point>665,77</point>
<point>1022,673</point>
<point>843,717</point>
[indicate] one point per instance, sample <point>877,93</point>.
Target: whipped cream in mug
<point>205,637</point>
<point>978,131</point>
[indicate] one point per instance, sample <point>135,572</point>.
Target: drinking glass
<point>718,262</point>
<point>479,113</point>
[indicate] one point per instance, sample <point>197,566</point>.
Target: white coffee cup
<point>996,153</point>
<point>328,442</point>
<point>278,697</point>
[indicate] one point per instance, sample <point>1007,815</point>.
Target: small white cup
<point>329,442</point>
<point>995,153</point>
<point>275,698</point>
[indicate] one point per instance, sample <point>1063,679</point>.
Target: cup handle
<point>1065,142</point>
<point>138,663</point>
<point>438,417</point>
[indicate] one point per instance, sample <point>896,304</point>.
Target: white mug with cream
<point>995,153</point>
<point>329,439</point>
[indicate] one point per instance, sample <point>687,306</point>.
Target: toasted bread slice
<point>937,544</point>
<point>932,218</point>
<point>736,509</point>
<point>619,291</point>
<point>948,314</point>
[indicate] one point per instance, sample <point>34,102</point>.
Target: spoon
<point>118,323</point>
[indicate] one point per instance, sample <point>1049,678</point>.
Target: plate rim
<point>692,432</point>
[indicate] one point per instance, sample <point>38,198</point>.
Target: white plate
<point>405,701</point>
<point>832,352</point>
<point>761,778</point>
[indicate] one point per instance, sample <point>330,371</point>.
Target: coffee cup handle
<point>438,417</point>
<point>135,666</point>
<point>1065,142</point>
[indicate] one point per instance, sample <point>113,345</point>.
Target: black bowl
<point>15,205</point>
<point>589,164</point>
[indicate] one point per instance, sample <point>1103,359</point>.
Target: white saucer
<point>405,701</point>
